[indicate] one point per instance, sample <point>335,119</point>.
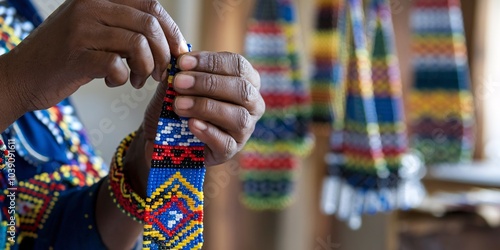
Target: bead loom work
<point>369,166</point>
<point>325,54</point>
<point>441,104</point>
<point>271,157</point>
<point>174,205</point>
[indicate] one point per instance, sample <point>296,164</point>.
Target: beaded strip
<point>441,103</point>
<point>326,59</point>
<point>270,158</point>
<point>387,86</point>
<point>174,204</point>
<point>368,147</point>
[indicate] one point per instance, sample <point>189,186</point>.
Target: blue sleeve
<point>72,222</point>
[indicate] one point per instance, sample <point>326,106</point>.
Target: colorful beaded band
<point>369,169</point>
<point>326,59</point>
<point>271,157</point>
<point>124,197</point>
<point>174,203</point>
<point>441,102</point>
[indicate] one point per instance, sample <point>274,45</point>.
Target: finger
<point>100,64</point>
<point>153,111</point>
<point>127,17</point>
<point>174,36</point>
<point>220,63</point>
<point>234,119</point>
<point>220,146</point>
<point>235,90</point>
<point>131,45</point>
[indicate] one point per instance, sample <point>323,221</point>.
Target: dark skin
<point>87,39</point>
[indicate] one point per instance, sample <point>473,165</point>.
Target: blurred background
<point>462,210</point>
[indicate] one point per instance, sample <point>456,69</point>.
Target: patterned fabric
<point>270,159</point>
<point>54,174</point>
<point>326,60</point>
<point>369,172</point>
<point>4,153</point>
<point>174,203</point>
<point>441,104</point>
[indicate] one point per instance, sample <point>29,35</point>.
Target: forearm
<point>117,230</point>
<point>11,107</point>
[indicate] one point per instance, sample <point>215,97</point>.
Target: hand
<point>87,39</point>
<point>219,92</point>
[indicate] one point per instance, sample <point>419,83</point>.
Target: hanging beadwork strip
<point>441,103</point>
<point>325,58</point>
<point>174,204</point>
<point>271,157</point>
<point>370,170</point>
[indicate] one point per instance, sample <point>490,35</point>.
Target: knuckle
<point>211,84</point>
<point>243,67</point>
<point>152,26</point>
<point>230,148</point>
<point>248,93</point>
<point>113,63</point>
<point>214,62</point>
<point>210,107</point>
<point>138,42</point>
<point>155,8</point>
<point>245,120</point>
<point>252,99</point>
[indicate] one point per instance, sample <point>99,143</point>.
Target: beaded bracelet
<point>123,196</point>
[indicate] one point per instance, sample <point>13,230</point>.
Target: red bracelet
<point>128,201</point>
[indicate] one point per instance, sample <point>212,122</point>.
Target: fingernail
<point>184,81</point>
<point>188,62</point>
<point>184,103</point>
<point>200,125</point>
<point>184,48</point>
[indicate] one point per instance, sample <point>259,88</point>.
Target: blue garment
<point>57,173</point>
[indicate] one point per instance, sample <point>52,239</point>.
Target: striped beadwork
<point>174,204</point>
<point>281,136</point>
<point>325,54</point>
<point>440,102</point>
<point>387,86</point>
<point>370,170</point>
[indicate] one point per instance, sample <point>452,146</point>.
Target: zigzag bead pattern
<point>173,214</point>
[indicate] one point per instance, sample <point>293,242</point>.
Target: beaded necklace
<point>174,205</point>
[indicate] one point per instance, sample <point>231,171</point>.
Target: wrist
<point>121,191</point>
<point>135,164</point>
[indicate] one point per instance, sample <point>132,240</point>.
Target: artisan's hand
<point>87,39</point>
<point>220,93</point>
